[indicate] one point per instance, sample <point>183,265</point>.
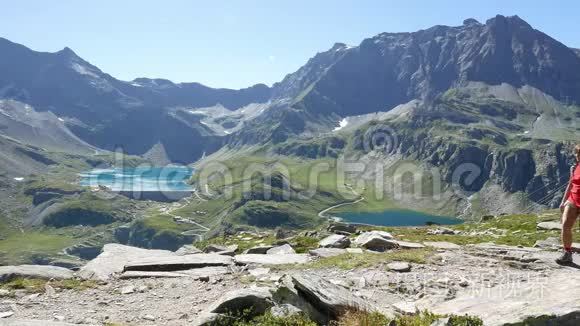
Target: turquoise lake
<point>398,218</point>
<point>171,178</point>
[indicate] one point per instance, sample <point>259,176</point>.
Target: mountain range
<point>500,94</point>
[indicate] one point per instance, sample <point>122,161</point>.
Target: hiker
<point>570,207</point>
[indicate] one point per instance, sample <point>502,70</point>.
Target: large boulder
<point>330,299</point>
<point>114,258</point>
<point>335,241</point>
<point>279,259</point>
<point>249,302</point>
<point>46,272</point>
<point>284,249</point>
<point>376,241</point>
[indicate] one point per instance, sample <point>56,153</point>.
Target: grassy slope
<point>298,171</point>
<point>21,243</point>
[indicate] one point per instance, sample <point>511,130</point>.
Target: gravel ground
<point>178,301</point>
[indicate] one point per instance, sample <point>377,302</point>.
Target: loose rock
<point>335,241</point>
<point>401,267</point>
<point>376,241</point>
<point>281,250</point>
<point>549,226</point>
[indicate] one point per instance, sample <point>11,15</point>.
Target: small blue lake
<point>169,178</point>
<point>398,217</point>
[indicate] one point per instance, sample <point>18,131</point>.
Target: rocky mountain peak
<point>471,22</point>
<point>67,52</point>
<point>513,21</point>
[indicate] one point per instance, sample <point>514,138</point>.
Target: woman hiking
<point>570,207</point>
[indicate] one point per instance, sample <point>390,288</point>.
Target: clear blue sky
<point>240,43</point>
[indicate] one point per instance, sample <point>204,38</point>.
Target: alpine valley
<point>485,114</point>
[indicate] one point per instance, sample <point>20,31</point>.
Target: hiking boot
<point>565,259</point>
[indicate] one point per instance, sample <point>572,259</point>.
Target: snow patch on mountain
<point>343,123</point>
<point>83,70</point>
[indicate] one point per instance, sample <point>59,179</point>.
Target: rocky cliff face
<point>394,68</point>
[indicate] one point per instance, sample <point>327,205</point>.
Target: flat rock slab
<point>328,298</point>
<point>496,247</point>
<point>274,259</point>
<point>549,226</point>
<point>143,274</point>
<point>8,273</point>
<point>546,296</point>
<point>553,243</point>
<point>442,245</point>
<point>409,245</point>
<point>401,267</point>
<point>114,258</point>
<point>179,263</point>
<point>192,273</point>
<point>327,252</point>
